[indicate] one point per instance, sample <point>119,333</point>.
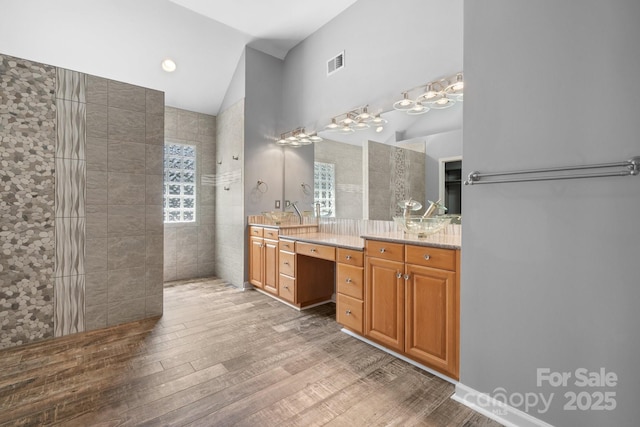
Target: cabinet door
<point>271,266</point>
<point>256,255</point>
<point>384,297</point>
<point>431,318</point>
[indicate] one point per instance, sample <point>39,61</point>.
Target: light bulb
<point>168,65</point>
<point>379,129</point>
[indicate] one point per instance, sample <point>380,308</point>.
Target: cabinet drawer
<point>349,280</point>
<point>384,250</point>
<point>287,245</point>
<point>256,231</point>
<point>287,263</point>
<point>349,312</point>
<point>317,251</point>
<point>444,259</point>
<point>287,288</point>
<point>350,256</point>
<point>270,233</point>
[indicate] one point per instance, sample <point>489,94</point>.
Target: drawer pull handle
<point>348,312</point>
<point>286,263</point>
<point>382,250</point>
<point>427,257</point>
<point>398,275</point>
<point>348,280</point>
<point>348,257</point>
<point>312,249</point>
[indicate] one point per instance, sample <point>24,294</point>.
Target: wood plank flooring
<point>221,357</point>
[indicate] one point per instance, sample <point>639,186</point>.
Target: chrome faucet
<point>297,211</point>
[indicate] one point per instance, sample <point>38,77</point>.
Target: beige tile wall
<point>189,248</point>
<point>125,136</point>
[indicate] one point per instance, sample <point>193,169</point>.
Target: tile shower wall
<point>82,156</point>
<point>27,136</point>
<point>229,194</point>
<point>348,161</point>
<point>124,229</point>
<point>395,174</point>
<point>189,248</point>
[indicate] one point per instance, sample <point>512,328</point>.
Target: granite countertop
<point>438,240</point>
<point>281,226</point>
<point>337,240</point>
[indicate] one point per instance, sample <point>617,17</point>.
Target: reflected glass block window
<point>179,183</point>
<point>324,191</point>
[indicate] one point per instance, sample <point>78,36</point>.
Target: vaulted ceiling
<point>127,40</point>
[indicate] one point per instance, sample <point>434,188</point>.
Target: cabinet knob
<point>427,257</point>
<point>348,280</point>
<point>382,250</point>
<point>286,263</point>
<point>286,287</point>
<point>261,245</point>
<point>348,257</point>
<point>398,275</point>
<point>348,312</point>
<point>312,249</point>
<point>406,277</point>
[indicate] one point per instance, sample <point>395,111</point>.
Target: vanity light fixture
<point>297,138</point>
<point>168,65</point>
<point>356,119</point>
<point>437,95</point>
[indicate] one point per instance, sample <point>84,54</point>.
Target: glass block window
<point>324,182</point>
<point>179,183</point>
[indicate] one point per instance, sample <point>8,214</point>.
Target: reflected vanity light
<point>354,120</point>
<point>437,95</point>
<point>297,138</point>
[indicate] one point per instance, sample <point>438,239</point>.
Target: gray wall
<point>440,146</point>
<point>347,159</point>
<point>189,247</point>
<point>263,159</point>
<point>549,269</point>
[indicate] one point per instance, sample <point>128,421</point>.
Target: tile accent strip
<point>69,298</point>
<point>70,202</point>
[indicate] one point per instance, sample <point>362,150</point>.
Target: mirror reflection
<point>365,174</point>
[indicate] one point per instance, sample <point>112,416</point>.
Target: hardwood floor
<point>221,357</point>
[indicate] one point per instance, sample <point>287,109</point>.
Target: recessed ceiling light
<point>168,65</point>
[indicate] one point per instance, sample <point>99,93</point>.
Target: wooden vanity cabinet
<point>263,258</point>
<point>384,295</point>
<point>287,271</point>
<point>350,289</point>
<point>256,256</point>
<point>412,306</point>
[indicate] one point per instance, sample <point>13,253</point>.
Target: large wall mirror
<point>366,173</point>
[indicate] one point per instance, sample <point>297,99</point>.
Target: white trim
<point>495,409</point>
<point>399,356</point>
<point>441,163</point>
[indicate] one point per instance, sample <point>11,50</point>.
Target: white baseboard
<point>399,356</point>
<point>495,409</point>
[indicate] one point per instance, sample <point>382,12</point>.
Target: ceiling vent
<point>335,64</point>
